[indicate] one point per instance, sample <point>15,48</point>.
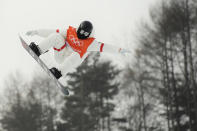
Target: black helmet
<point>84,30</point>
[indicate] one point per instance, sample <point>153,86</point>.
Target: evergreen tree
<point>93,87</point>
<point>29,106</point>
<point>23,115</point>
<point>169,44</point>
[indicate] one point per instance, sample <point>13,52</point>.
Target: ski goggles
<point>82,32</point>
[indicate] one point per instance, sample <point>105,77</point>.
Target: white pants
<point>71,63</point>
<point>67,59</point>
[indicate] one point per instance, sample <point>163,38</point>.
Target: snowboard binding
<point>56,72</point>
<point>35,48</point>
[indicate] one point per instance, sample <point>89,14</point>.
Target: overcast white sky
<point>111,18</point>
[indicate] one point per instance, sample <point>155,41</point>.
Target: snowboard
<point>63,89</point>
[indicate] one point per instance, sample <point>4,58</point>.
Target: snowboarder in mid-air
<point>71,46</point>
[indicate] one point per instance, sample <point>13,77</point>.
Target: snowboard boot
<point>35,48</point>
<point>56,72</point>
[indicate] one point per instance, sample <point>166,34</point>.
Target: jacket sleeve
<point>102,47</point>
<point>47,32</point>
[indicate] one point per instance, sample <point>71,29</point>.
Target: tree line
<point>39,105</point>
<point>165,68</point>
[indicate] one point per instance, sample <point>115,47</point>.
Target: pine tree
<point>93,87</point>
<point>169,43</point>
<point>23,114</point>
<point>28,106</point>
